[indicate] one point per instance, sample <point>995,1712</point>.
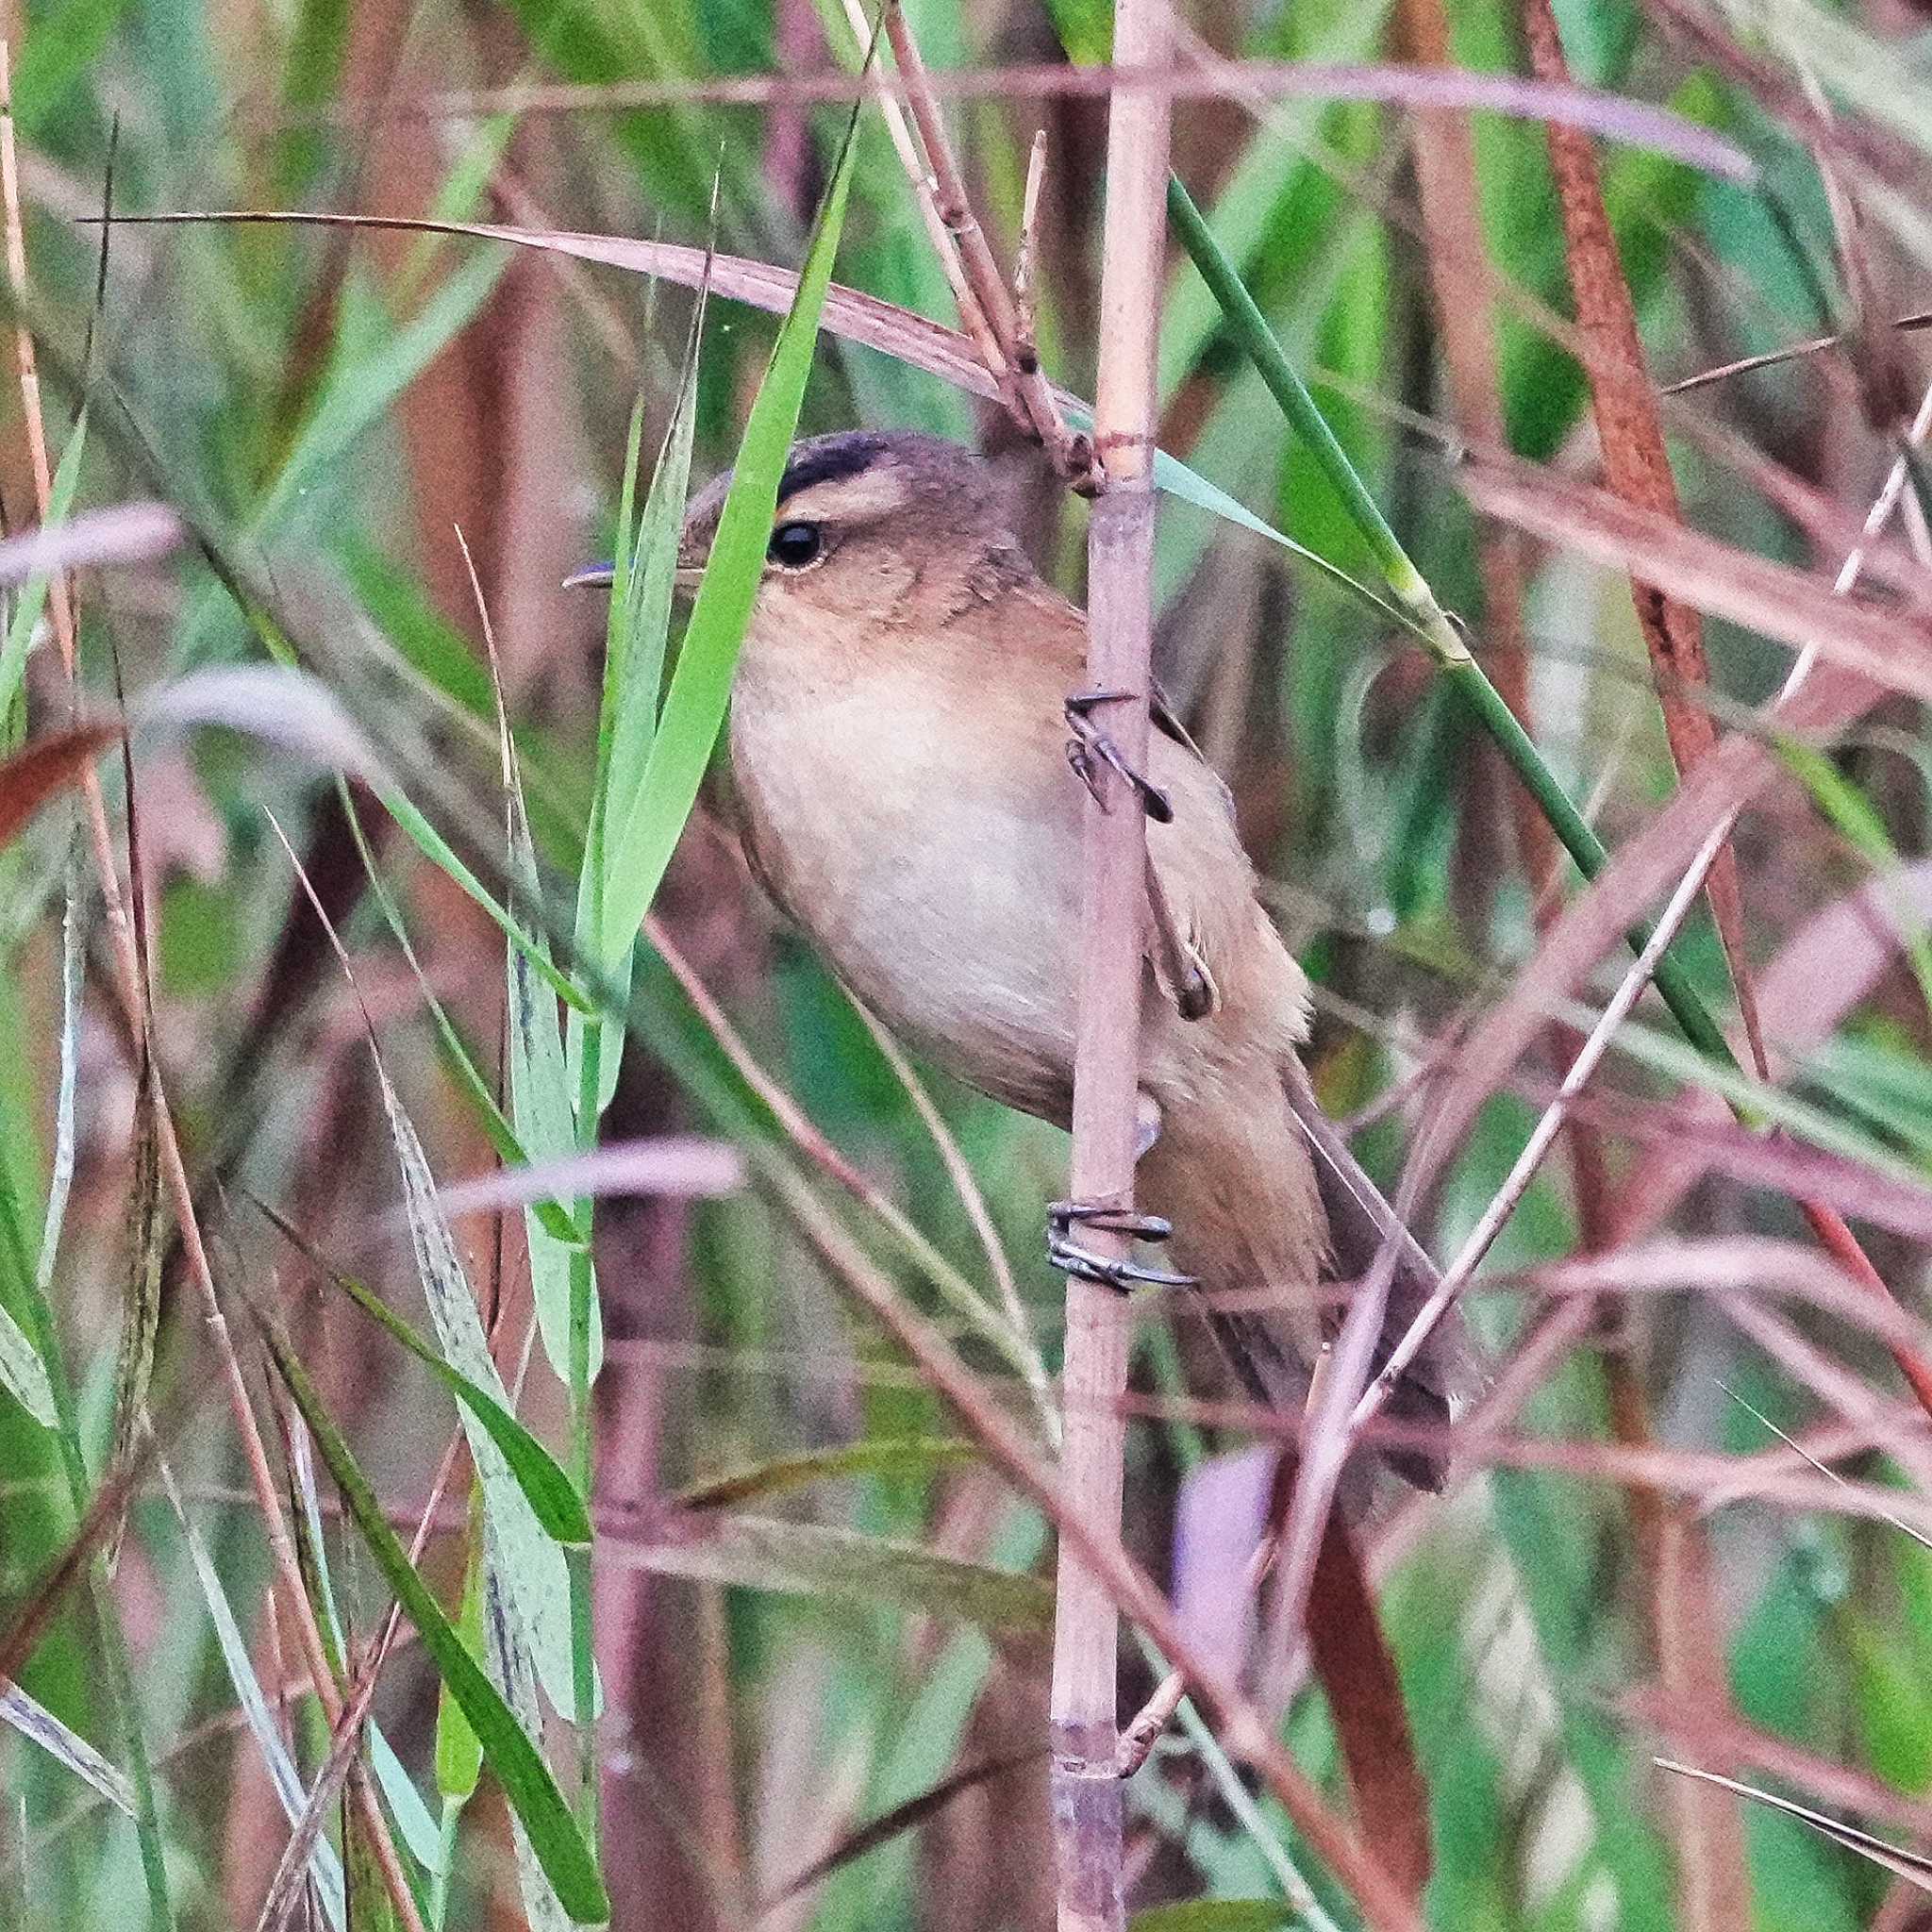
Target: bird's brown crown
<point>875,502</point>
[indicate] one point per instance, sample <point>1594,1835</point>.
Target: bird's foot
<point>1067,1254</point>
<point>1089,747</point>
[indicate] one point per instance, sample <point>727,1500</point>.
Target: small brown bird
<point>900,745</point>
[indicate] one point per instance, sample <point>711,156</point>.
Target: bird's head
<point>871,527</point>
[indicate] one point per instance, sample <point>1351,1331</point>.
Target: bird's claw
<point>1071,1258</point>
<point>1089,743</point>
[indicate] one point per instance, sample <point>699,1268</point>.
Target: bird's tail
<point>1361,1224</point>
<point>1361,1228</point>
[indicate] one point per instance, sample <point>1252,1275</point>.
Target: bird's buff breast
<point>938,881</point>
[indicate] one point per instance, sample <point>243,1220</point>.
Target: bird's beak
<point>600,577</point>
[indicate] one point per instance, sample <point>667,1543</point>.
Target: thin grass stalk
<point>586,1108</point>
<point>1087,1789</point>
<point>1825,1223</point>
<point>972,316</point>
<point>1017,373</point>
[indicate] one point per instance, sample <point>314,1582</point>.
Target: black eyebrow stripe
<point>845,456</point>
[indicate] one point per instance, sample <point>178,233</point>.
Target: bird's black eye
<point>795,545</point>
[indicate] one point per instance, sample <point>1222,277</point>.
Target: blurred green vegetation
<point>330,407</point>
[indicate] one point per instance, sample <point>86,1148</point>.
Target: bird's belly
<point>944,894</point>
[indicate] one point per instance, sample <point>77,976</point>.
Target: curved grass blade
<point>887,327</point>
<point>891,1456</point>
<point>1410,592</point>
<point>901,1817</point>
<point>526,1778</point>
<point>538,1578</point>
<point>550,1492</point>
<point>822,1561</point>
<point>540,1087</point>
<point>1913,1867</point>
<point>35,772</point>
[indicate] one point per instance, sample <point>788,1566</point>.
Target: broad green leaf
<point>555,1841</point>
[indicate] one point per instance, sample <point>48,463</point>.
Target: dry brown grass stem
<point>1029,397</point>
<point>1087,1790</point>
<point>130,985</point>
<point>1825,1221</point>
<point>1503,1204</point>
<point>972,316</point>
<point>1637,467</point>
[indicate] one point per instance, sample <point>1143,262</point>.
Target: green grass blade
<point>459,1756</point>
<point>550,1491</point>
<point>434,847</point>
<point>700,686</point>
<point>526,1778</point>
<point>542,1109</point>
<point>632,697</point>
<point>457,1055</point>
<point>537,1572</point>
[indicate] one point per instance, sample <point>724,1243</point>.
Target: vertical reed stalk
<point>1087,1791</point>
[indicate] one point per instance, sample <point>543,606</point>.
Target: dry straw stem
<point>1087,1789</point>
<point>972,316</point>
<point>1637,467</point>
<point>129,985</point>
<point>1015,369</point>
<point>1207,76</point>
